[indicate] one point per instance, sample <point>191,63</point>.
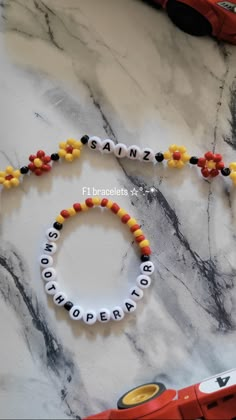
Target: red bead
<point>104,202</point>
<point>77,207</point>
<point>32,157</point>
<point>38,172</point>
<point>201,162</point>
<point>217,157</point>
<point>176,155</point>
<point>125,218</point>
<point>214,172</point>
<point>134,228</point>
<point>89,202</point>
<point>205,172</point>
<point>69,149</point>
<point>146,250</point>
<point>46,168</point>
<point>46,159</point>
<point>140,238</point>
<point>40,154</point>
<point>209,156</point>
<point>115,208</point>
<point>220,165</point>
<point>31,167</point>
<point>8,177</point>
<point>65,214</point>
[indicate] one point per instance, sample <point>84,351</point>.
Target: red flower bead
<point>211,164</point>
<point>209,156</point>
<point>201,162</point>
<point>32,157</point>
<point>39,163</point>
<point>217,157</point>
<point>40,154</point>
<point>214,172</point>
<point>205,172</point>
<point>220,165</point>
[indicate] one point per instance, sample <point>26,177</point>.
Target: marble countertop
<point>117,70</point>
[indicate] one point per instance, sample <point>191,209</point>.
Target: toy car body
<point>220,14</point>
<point>214,398</point>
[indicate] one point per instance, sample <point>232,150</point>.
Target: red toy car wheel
<point>140,395</point>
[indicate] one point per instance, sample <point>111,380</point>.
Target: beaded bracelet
<point>48,273</point>
<point>211,164</point>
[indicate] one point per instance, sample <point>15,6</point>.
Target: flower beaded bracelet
<point>48,273</point>
<point>211,164</point>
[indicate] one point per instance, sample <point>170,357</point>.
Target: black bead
<point>84,139</point>
<point>145,258</point>
<point>225,171</point>
<point>159,157</point>
<point>58,225</point>
<point>68,305</point>
<point>193,160</point>
<point>24,170</point>
<point>55,156</point>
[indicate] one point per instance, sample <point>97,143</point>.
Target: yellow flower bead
<point>185,157</point>
<point>167,155</point>
<point>7,184</point>
<point>37,162</point>
<point>179,164</point>
<point>2,180</point>
<point>78,145</point>
<point>232,166</point>
<point>70,142</point>
<point>62,145</point>
<point>2,174</point>
<point>233,176</point>
<point>109,204</point>
<point>138,232</point>
<point>62,153</point>
<point>96,201</point>
<point>171,163</point>
<point>60,219</point>
<point>84,207</point>
<point>173,148</point>
<point>145,242</point>
<point>131,222</point>
<point>16,173</point>
<point>9,170</point>
<point>76,153</point>
<point>15,182</point>
<point>182,149</point>
<point>121,212</point>
<point>71,211</point>
<point>69,157</point>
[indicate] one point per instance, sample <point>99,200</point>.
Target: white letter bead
<point>107,146</point>
<point>129,306</point>
<point>49,248</point>
<point>60,298</point>
<point>49,274</point>
<point>76,312</point>
<point>147,155</point>
<point>136,293</point>
<point>133,152</point>
<point>94,143</point>
<point>120,150</point>
<point>52,234</point>
<point>143,281</point>
<point>147,267</point>
<point>104,315</point>
<point>51,287</point>
<point>117,313</point>
<point>90,317</point>
<point>46,261</point>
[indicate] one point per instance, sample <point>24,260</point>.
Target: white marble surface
<point>118,70</point>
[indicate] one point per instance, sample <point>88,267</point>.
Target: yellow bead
<point>210,164</point>
<point>182,149</point>
<point>71,211</point>
<point>16,173</point>
<point>145,242</point>
<point>179,164</point>
<point>62,153</point>
<point>96,201</point>
<point>69,157</point>
<point>9,169</point>
<point>173,148</point>
<point>76,153</point>
<point>232,166</point>
<point>109,204</point>
<point>37,162</point>
<point>121,212</point>
<point>138,232</point>
<point>167,155</point>
<point>233,176</point>
<point>185,157</point>
<point>62,145</point>
<point>15,182</point>
<point>60,219</point>
<point>2,180</point>
<point>84,207</point>
<point>7,184</point>
<point>71,142</point>
<point>78,145</point>
<point>131,222</point>
<point>2,174</point>
<point>171,163</point>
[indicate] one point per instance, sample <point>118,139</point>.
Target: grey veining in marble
<point>118,70</point>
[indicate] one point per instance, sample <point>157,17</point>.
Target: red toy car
<point>202,17</point>
<point>214,398</point>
